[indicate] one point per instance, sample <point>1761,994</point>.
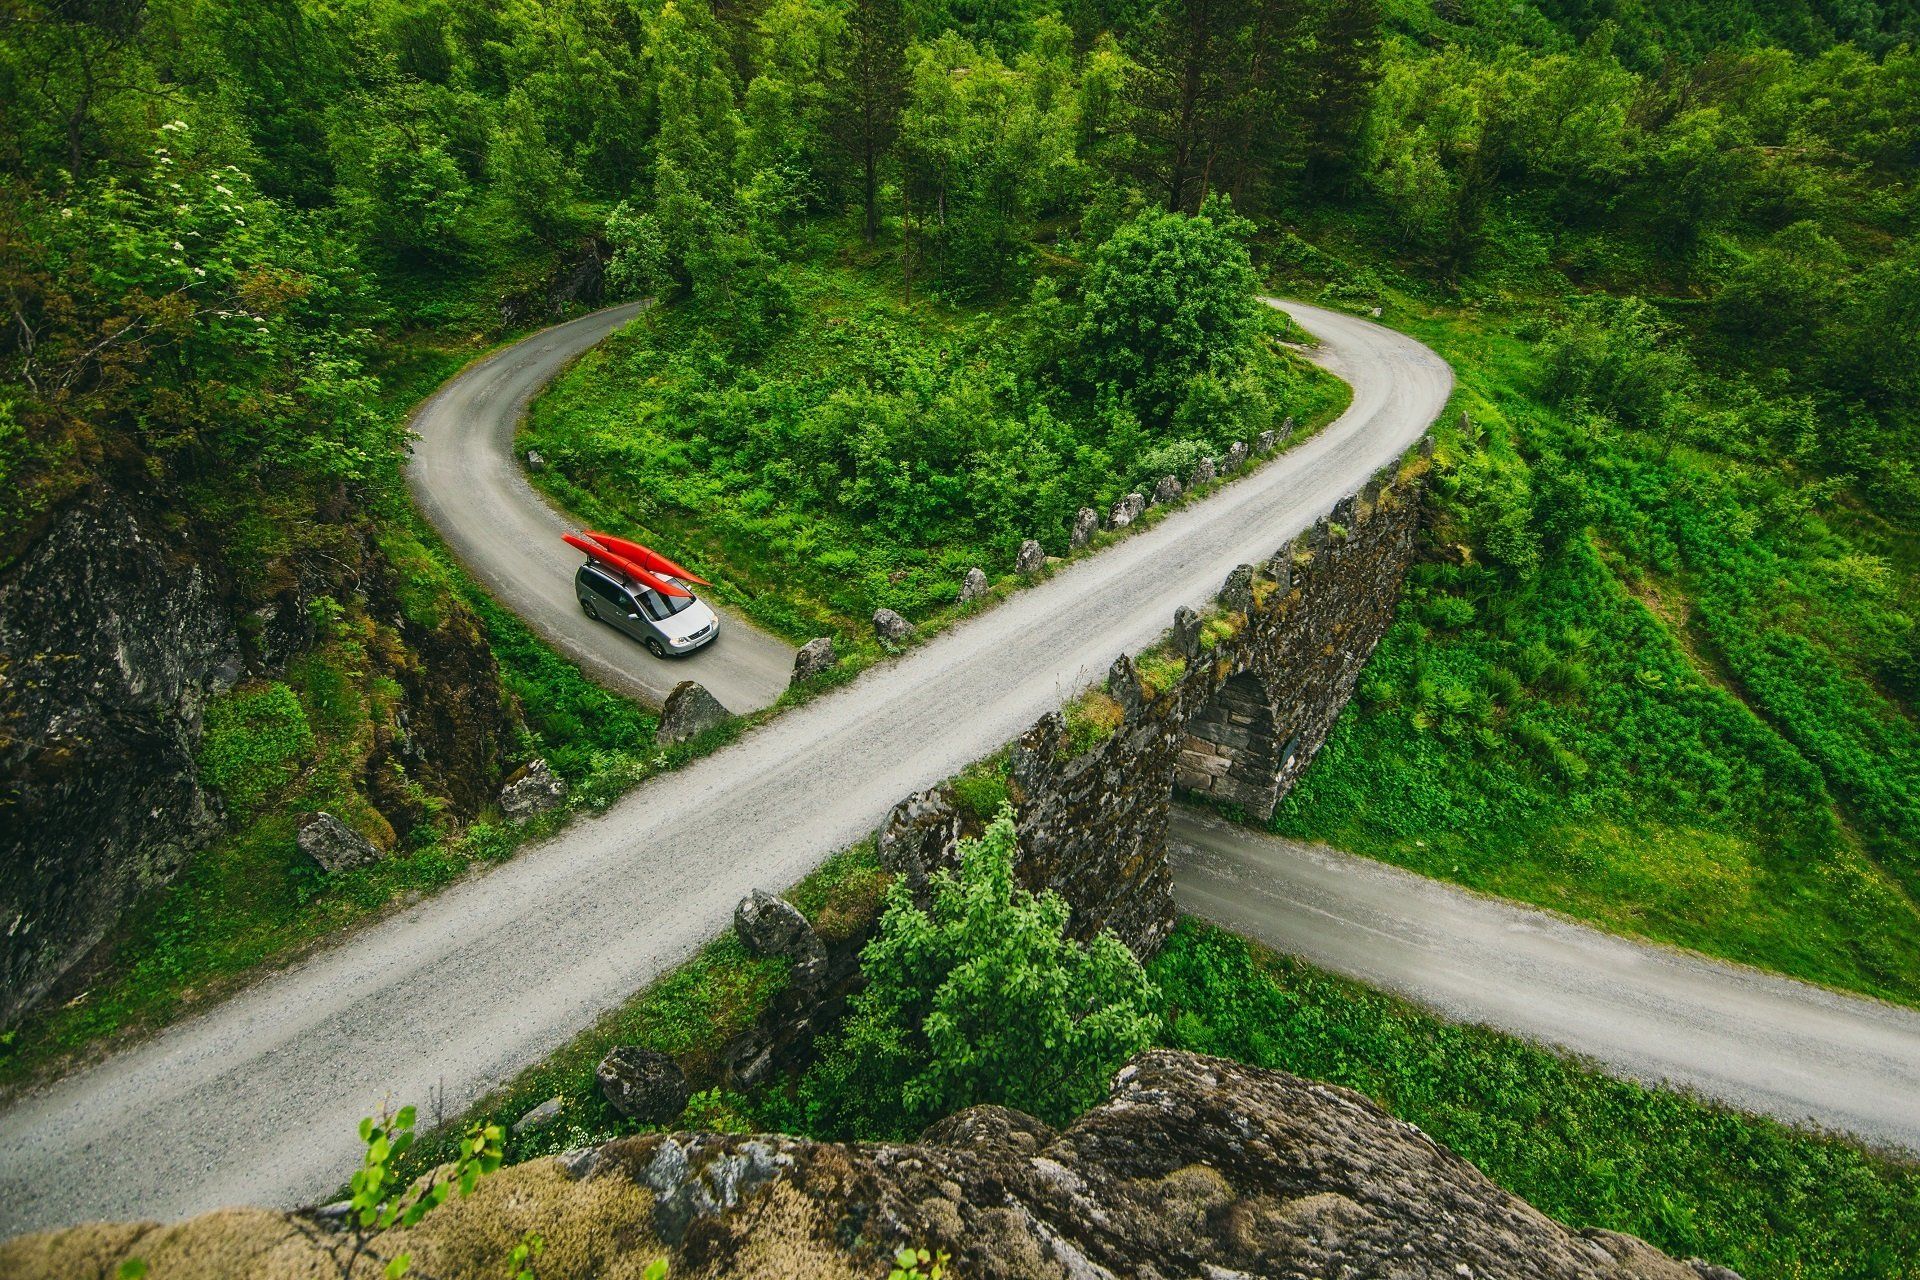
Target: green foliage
<point>1168,302</point>
<point>255,741</point>
<point>1695,1179</point>
<point>980,997</point>
<point>874,452</point>
<point>919,1264</point>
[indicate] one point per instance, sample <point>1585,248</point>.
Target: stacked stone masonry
<point>1237,726</point>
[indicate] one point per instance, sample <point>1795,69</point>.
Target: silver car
<point>668,625</point>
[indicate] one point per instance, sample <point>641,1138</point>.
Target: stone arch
<point>1234,751</point>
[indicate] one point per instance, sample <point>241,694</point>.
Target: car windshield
<point>659,606</point>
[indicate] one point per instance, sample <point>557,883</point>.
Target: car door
<point>632,620</point>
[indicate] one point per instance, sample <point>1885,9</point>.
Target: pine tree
<point>870,94</point>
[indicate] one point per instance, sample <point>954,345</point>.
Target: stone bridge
<point>1229,708</point>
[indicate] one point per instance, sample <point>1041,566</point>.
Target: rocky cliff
<point>117,629</point>
<point>113,638</point>
<point>1194,1167</point>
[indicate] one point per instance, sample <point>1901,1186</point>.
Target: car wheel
<point>590,610</point>
<point>655,648</point>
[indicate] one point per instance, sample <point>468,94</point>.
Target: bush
<point>254,743</point>
<point>981,997</point>
<point>1169,298</point>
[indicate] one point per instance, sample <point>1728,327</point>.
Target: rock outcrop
<point>113,640</point>
<point>1194,1167</point>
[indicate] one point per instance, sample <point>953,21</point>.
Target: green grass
<point>1693,1178</point>
<point>870,457</point>
<point>1673,726</point>
<point>690,1013</point>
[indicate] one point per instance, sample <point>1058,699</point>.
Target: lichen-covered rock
<point>1236,456</point>
<point>891,627</point>
<point>920,835</point>
<point>1031,559</point>
<point>772,926</point>
<point>974,585</point>
<point>113,639</point>
<point>1237,594</point>
<point>1186,632</point>
<point>1202,473</point>
<point>535,462</point>
<point>1194,1167</point>
<point>1085,524</point>
<point>643,1084</point>
<point>689,712</point>
<point>333,844</point>
<point>1167,489</point>
<point>815,656</point>
<point>1265,442</point>
<point>1127,510</point>
<point>539,1117</point>
<point>535,789</point>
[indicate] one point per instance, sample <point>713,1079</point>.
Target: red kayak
<point>646,557</point>
<point>624,564</point>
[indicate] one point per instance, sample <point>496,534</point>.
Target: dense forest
<point>932,275</point>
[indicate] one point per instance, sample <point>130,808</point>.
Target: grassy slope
<point>740,466</point>
<point>1693,1178</point>
<point>1618,735</point>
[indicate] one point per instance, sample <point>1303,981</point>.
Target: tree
<point>1169,299</point>
<point>870,94</point>
<point>980,997</point>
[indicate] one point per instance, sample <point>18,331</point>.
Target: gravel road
<point>1753,1040</point>
<point>466,476</point>
<point>256,1100</point>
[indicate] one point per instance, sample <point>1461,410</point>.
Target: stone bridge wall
<point>1265,675</point>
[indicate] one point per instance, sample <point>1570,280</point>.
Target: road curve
<point>257,1099</point>
<point>1753,1040</point>
<point>465,475</point>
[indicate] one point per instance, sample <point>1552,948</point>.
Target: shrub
<point>979,997</point>
<point>254,743</point>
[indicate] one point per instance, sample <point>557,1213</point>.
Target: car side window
<point>605,590</point>
<point>651,603</point>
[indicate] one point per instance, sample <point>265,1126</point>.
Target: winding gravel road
<point>257,1099</point>
<point>1752,1040</point>
<point>465,474</point>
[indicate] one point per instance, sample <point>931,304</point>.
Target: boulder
<point>1237,594</point>
<point>974,585</point>
<point>891,627</point>
<point>689,712</point>
<point>540,1117</point>
<point>643,1084</point>
<point>1032,558</point>
<point>772,926</point>
<point>815,656</point>
<point>1186,632</point>
<point>1202,474</point>
<point>534,461</point>
<point>1127,510</point>
<point>333,844</point>
<point>535,789</point>
<point>1236,456</point>
<point>769,925</point>
<point>1167,489</point>
<point>1265,442</point>
<point>1085,525</point>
